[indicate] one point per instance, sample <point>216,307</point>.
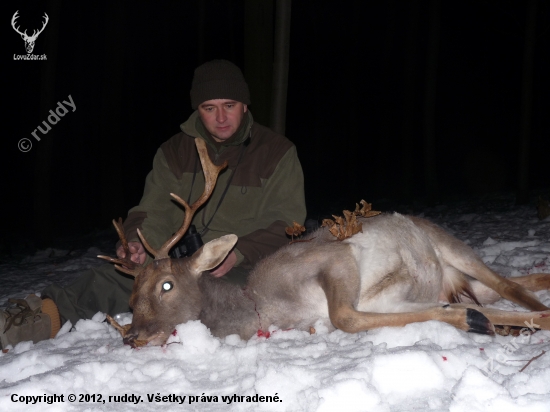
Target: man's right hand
<point>137,251</point>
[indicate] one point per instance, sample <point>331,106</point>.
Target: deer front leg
<point>342,296</point>
<point>538,320</point>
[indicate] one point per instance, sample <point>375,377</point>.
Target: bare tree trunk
<point>280,65</point>
<point>42,179</point>
<point>522,195</point>
<point>430,167</point>
<point>258,55</point>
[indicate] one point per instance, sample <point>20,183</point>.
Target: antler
<point>15,16</point>
<point>123,330</point>
<point>125,264</point>
<point>34,35</point>
<point>211,172</point>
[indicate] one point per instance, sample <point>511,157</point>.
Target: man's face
<point>222,117</point>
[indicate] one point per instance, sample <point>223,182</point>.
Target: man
<point>256,197</point>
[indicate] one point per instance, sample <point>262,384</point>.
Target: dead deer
<point>398,270</point>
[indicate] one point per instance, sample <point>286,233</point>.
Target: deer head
<point>166,291</point>
<point>29,40</point>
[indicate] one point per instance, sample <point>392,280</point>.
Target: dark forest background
<point>390,101</point>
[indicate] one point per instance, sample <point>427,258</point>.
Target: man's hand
<point>137,251</point>
<point>225,266</point>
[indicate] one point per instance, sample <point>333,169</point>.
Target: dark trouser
<point>106,290</point>
<point>97,289</point>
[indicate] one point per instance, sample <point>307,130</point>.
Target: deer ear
<point>212,254</point>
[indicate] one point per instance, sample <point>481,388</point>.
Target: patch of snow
<point>420,367</point>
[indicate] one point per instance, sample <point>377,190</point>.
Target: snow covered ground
<point>427,366</point>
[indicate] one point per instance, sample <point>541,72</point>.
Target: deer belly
<point>314,306</point>
<point>304,313</point>
<point>393,277</point>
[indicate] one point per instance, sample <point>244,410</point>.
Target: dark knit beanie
<point>218,79</point>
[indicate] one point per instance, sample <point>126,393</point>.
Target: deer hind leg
<point>533,283</point>
<point>342,297</point>
<point>463,259</point>
<point>460,256</point>
<point>513,291</point>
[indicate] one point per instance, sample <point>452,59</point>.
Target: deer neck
<point>228,309</point>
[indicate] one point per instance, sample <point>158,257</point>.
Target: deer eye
<point>166,286</point>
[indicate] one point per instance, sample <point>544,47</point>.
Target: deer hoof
<point>478,323</point>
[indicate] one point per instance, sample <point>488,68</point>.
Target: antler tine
<point>123,330</point>
<point>211,172</point>
<point>120,230</point>
<point>15,17</point>
<point>125,265</point>
<point>146,244</point>
<point>43,24</point>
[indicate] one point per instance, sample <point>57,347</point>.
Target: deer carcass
<point>398,270</point>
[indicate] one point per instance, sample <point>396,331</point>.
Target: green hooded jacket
<point>265,193</point>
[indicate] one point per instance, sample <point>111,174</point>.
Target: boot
<point>25,320</point>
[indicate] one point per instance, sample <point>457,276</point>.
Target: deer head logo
<point>29,40</point>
